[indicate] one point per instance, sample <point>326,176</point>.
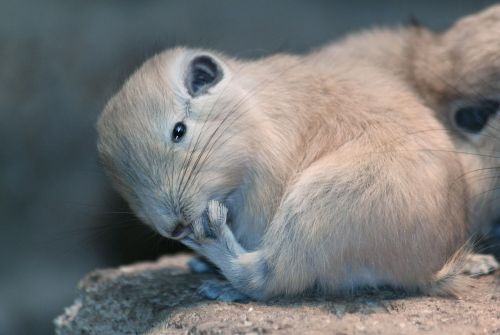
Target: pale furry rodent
<point>334,166</point>
<point>465,73</point>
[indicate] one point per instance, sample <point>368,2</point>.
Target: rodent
<point>457,75</point>
<point>330,170</point>
<point>463,88</point>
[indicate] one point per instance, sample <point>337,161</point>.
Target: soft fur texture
<point>335,170</point>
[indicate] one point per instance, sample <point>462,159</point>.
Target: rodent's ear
<point>202,74</point>
<point>472,117</point>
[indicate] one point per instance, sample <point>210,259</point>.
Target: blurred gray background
<point>60,61</point>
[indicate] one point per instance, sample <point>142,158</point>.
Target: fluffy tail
<point>451,280</point>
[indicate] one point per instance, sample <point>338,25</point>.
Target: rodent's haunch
<point>331,170</point>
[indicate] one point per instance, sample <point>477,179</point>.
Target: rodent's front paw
<point>217,215</point>
<point>210,225</point>
<point>200,228</point>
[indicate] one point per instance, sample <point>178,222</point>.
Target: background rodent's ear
<point>472,46</point>
<point>203,72</point>
<point>464,60</point>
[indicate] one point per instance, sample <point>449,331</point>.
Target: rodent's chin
<point>180,231</point>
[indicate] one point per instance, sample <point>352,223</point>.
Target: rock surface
<point>160,298</point>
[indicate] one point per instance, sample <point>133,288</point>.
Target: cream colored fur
<point>466,67</point>
<point>336,167</point>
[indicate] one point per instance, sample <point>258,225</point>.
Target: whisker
<point>198,138</point>
<point>485,192</point>
<point>253,91</point>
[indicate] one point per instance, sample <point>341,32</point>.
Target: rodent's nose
<point>181,230</point>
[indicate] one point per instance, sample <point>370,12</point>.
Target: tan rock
<point>160,298</point>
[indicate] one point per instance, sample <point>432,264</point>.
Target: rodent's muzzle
<point>181,230</point>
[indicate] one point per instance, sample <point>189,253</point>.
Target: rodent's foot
<point>479,265</point>
<point>221,248</point>
<point>198,264</point>
<point>221,291</point>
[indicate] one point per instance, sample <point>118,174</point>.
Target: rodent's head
<point>459,71</point>
<point>174,137</point>
<point>473,47</point>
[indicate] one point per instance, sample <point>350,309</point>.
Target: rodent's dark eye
<point>178,132</point>
<point>474,117</point>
